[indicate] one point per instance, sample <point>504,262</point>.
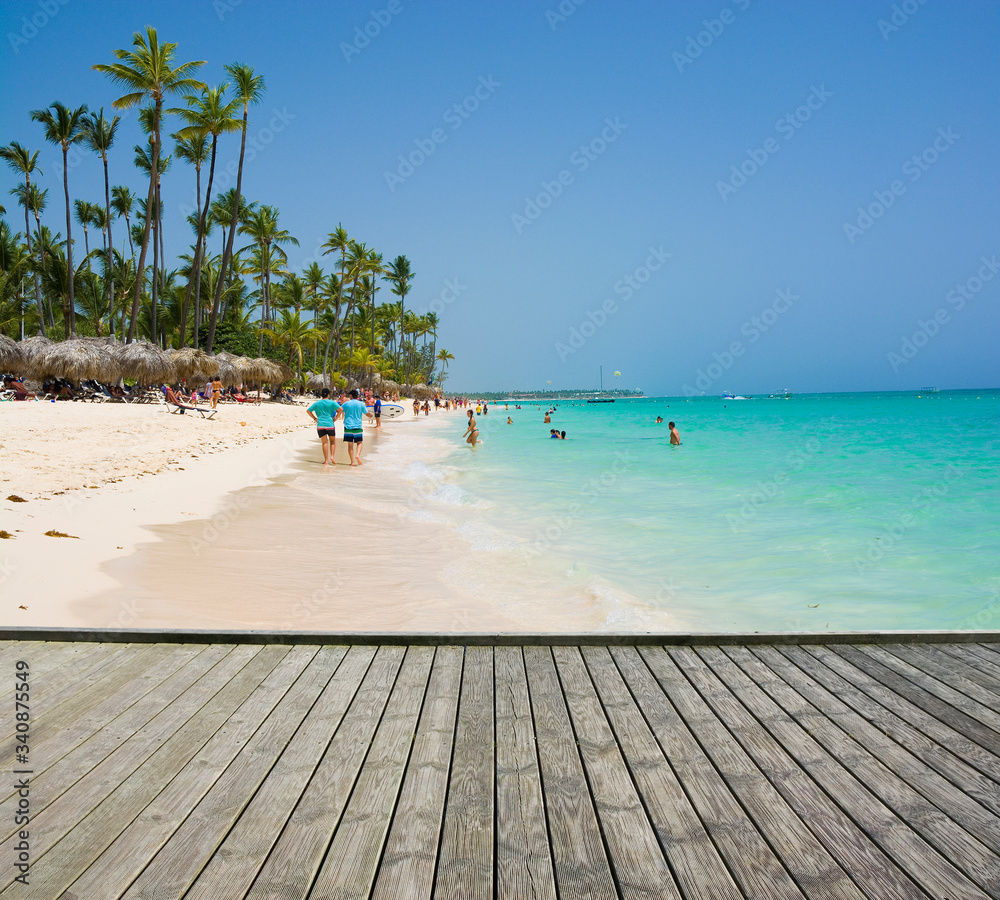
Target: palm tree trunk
<point>150,201</point>
<point>27,235</point>
<point>111,262</point>
<point>69,314</point>
<point>228,252</point>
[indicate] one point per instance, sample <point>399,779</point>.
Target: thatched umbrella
<point>193,364</point>
<point>231,368</point>
<point>76,360</point>
<point>318,382</point>
<point>266,371</point>
<point>145,362</point>
<point>12,358</point>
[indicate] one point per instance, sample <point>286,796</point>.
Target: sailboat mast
<point>602,379</point>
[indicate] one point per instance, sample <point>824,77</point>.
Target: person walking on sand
<point>216,391</point>
<point>675,437</point>
<point>323,412</point>
<point>354,410</point>
<point>472,431</point>
<point>377,411</point>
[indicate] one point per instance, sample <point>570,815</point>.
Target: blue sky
<point>705,196</point>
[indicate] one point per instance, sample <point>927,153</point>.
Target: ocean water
<point>864,511</point>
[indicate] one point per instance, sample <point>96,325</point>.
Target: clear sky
<point>704,196</point>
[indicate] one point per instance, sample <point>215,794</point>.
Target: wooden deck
<point>309,770</point>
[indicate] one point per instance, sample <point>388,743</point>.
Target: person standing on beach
<point>216,391</point>
<point>675,437</point>
<point>323,412</point>
<point>377,410</point>
<point>354,409</point>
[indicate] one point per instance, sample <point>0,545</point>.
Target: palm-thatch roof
<point>193,364</point>
<point>145,362</point>
<point>232,369</point>
<point>318,382</point>
<point>76,360</point>
<point>421,392</point>
<point>266,371</point>
<point>12,358</point>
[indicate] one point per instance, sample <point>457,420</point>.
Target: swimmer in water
<point>675,437</point>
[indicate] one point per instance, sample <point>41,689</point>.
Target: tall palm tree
<point>262,226</point>
<point>290,331</point>
<point>123,202</point>
<point>193,150</point>
<point>444,357</point>
<point>144,163</point>
<point>206,114</point>
<point>100,135</point>
<point>24,161</point>
<point>337,241</point>
<point>84,210</point>
<point>249,89</point>
<point>64,126</point>
<point>400,275</point>
<point>148,73</point>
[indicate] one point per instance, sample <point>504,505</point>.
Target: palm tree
<point>337,241</point>
<point>149,74</point>
<point>123,202</point>
<point>24,161</point>
<point>100,136</point>
<point>262,226</point>
<point>206,114</point>
<point>144,163</point>
<point>249,89</point>
<point>64,126</point>
<point>193,150</point>
<point>400,275</point>
<point>84,210</point>
<point>290,331</point>
<point>443,357</point>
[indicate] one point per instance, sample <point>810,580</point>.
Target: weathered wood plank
<point>640,868</point>
<point>984,663</point>
<point>87,838</point>
<point>860,777</point>
<point>465,861</point>
<point>919,694</point>
<point>231,870</point>
<point>883,721</point>
<point>351,864</point>
<point>699,869</point>
<point>912,713</point>
<point>782,800</point>
<point>581,865</point>
<point>524,859</point>
<point>295,859</point>
<point>102,763</point>
<point>755,867</point>
<point>951,672</point>
<point>225,764</point>
<point>79,745</point>
<point>411,849</point>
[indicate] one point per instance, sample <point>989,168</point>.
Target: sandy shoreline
<point>103,473</point>
<point>180,523</point>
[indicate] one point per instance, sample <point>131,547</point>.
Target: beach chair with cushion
<point>175,406</point>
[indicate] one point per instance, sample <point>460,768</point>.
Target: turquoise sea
<point>863,511</point>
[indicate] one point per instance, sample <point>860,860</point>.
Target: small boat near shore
<point>728,395</point>
<point>599,397</point>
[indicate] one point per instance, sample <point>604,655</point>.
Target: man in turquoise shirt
<point>323,412</point>
<point>354,409</point>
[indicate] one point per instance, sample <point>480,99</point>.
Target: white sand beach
<point>177,522</point>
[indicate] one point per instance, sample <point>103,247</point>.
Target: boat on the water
<point>728,395</point>
<point>930,390</point>
<point>599,397</point>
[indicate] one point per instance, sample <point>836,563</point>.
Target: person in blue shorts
<point>354,409</point>
<point>323,412</point>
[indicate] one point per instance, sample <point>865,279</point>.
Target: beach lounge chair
<point>175,406</point>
